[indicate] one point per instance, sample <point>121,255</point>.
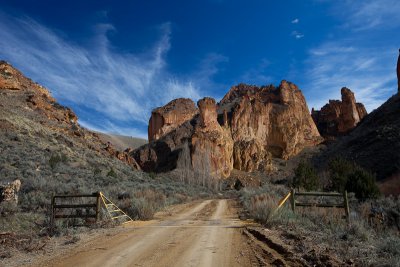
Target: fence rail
<point>114,212</point>
<point>56,207</point>
<point>344,205</point>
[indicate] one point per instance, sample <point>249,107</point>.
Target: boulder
<point>8,192</point>
<point>167,118</point>
<point>339,117</point>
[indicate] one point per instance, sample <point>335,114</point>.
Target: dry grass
<point>326,231</point>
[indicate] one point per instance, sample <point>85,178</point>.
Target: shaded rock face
<point>249,126</point>
<point>167,118</point>
<point>9,191</point>
<point>398,73</point>
<point>375,143</point>
<point>210,145</point>
<point>339,117</point>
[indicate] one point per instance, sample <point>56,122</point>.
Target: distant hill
<point>122,142</point>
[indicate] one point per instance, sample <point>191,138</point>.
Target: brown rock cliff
<point>339,117</point>
<point>167,118</point>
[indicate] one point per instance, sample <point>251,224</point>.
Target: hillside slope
<point>122,142</point>
<point>375,142</point>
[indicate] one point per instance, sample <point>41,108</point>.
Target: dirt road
<point>206,233</point>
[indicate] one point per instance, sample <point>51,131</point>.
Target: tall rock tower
<point>398,73</point>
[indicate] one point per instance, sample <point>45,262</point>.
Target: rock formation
<point>398,73</point>
<point>257,123</point>
<point>212,145</point>
<point>167,118</point>
<point>339,117</point>
<point>275,120</point>
<point>8,192</point>
<point>375,143</point>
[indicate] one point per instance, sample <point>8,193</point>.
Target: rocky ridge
<point>375,143</point>
<point>37,104</point>
<point>337,117</point>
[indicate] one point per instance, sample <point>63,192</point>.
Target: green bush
<point>362,183</point>
<point>112,173</point>
<point>339,171</point>
<point>55,159</point>
<point>345,175</point>
<point>305,177</point>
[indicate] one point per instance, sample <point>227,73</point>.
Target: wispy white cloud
<point>369,72</point>
<point>361,56</point>
<point>121,87</point>
<point>297,34</point>
<point>295,21</point>
<point>368,14</point>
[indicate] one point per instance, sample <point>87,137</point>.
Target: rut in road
<point>206,234</point>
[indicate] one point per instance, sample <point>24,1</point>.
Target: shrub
<point>305,176</point>
<point>339,170</point>
<point>345,175</point>
<point>112,173</point>
<point>146,203</point>
<point>55,159</point>
<point>362,183</point>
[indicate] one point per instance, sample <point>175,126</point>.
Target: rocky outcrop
<point>212,145</point>
<point>8,192</point>
<point>339,117</point>
<point>167,118</point>
<point>209,144</point>
<point>375,143</point>
<point>398,73</point>
<point>249,126</point>
<point>276,120</point>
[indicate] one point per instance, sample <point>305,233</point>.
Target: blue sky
<point>113,62</point>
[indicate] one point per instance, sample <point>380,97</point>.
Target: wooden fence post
<point>53,200</point>
<point>346,206</point>
<point>98,205</point>
<point>292,199</point>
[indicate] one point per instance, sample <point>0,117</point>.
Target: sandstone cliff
<point>398,73</point>
<point>167,118</point>
<point>212,144</point>
<point>268,121</point>
<point>249,126</point>
<point>339,117</point>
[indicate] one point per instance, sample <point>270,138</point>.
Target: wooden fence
<point>98,199</point>
<point>292,195</point>
<point>89,206</point>
<point>344,205</point>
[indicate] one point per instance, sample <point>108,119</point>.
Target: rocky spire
<point>398,72</point>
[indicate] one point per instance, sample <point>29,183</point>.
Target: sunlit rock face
<point>249,126</point>
<point>212,145</point>
<point>167,118</point>
<point>275,120</point>
<point>339,117</point>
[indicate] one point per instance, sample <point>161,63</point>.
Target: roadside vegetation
<point>322,235</point>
